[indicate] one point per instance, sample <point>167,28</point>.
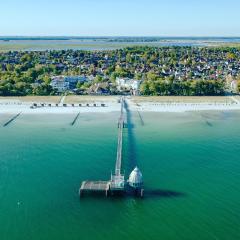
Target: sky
<point>119,18</point>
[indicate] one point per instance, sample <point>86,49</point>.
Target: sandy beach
<point>104,104</point>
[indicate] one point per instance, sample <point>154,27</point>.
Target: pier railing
<point>117,180</point>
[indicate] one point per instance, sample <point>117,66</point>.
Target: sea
<point>189,161</point>
<point>106,43</point>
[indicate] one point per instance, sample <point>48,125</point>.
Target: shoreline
<point>98,104</point>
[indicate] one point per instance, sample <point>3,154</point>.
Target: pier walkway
<point>117,181</point>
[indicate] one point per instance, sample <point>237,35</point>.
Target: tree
<point>151,76</point>
<point>238,86</point>
<point>231,56</point>
<point>98,79</point>
<point>144,88</point>
<point>43,90</point>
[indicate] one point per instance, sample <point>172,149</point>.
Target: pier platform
<point>94,186</point>
<point>117,182</point>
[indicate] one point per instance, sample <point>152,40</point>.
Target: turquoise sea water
<point>190,163</point>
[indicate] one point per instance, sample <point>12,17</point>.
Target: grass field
<point>90,99</point>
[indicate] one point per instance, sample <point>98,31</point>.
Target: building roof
<point>135,177</point>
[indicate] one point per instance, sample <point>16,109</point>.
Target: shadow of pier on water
<point>162,193</point>
<point>132,157</point>
<point>148,195</point>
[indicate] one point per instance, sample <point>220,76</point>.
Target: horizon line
<point>137,36</point>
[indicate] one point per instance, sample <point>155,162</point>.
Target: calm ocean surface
<point>78,43</point>
<point>190,163</point>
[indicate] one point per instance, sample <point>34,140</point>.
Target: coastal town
<point>119,120</point>
<point>181,71</point>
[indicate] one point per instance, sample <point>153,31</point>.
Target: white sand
<point>16,106</point>
<point>26,108</point>
<point>184,107</point>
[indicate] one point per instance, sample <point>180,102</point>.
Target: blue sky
<point>120,18</point>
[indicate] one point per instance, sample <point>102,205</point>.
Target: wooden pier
<point>94,186</point>
<point>117,181</point>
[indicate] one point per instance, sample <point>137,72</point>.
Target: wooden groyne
<point>208,123</point>
<point>75,119</point>
<point>11,120</point>
<point>141,119</point>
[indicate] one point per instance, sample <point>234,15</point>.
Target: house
<point>64,83</point>
<point>59,84</point>
<point>128,84</point>
<point>37,83</point>
<point>233,86</point>
<point>99,89</point>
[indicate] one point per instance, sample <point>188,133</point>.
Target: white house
<point>128,84</point>
<point>64,83</point>
<point>59,83</point>
<point>234,86</point>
